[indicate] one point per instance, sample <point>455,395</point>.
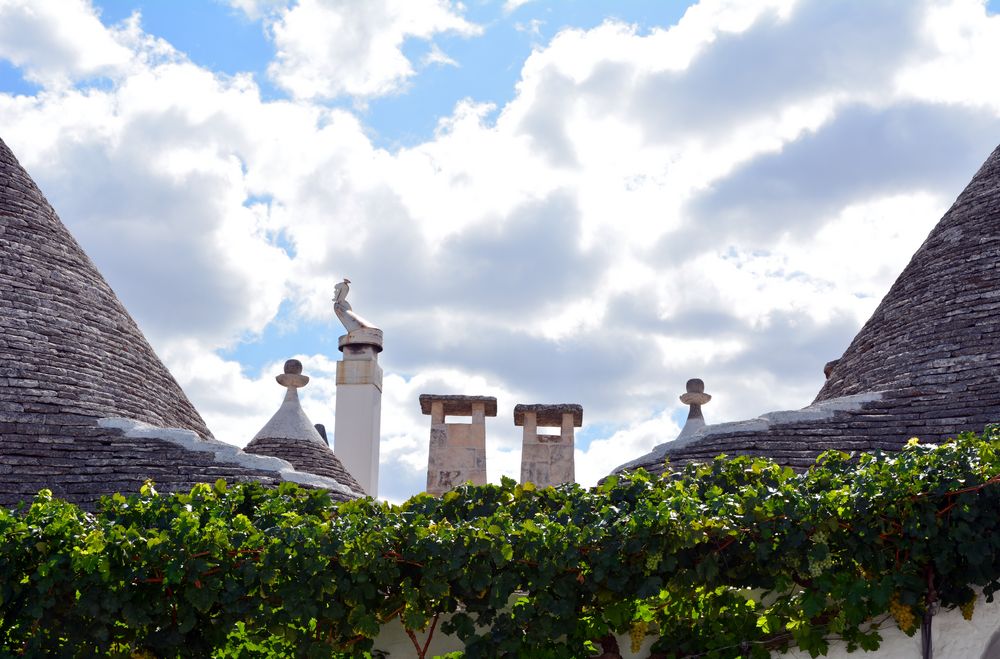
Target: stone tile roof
<point>548,415</point>
<point>927,363</point>
<point>81,463</point>
<point>455,405</point>
<point>71,358</point>
<point>308,457</point>
<point>67,345</point>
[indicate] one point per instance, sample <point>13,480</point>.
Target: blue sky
<point>543,201</point>
<point>224,39</point>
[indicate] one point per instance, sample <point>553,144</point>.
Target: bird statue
<point>345,313</point>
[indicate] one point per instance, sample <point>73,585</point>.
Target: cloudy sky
<point>574,201</point>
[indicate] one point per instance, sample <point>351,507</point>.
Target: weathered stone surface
<point>458,405</point>
<point>70,357</point>
<point>308,457</point>
<point>549,415</point>
<point>68,343</point>
<point>548,459</point>
<point>456,451</point>
<point>927,359</point>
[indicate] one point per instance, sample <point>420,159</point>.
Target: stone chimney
<point>548,459</point>
<point>457,450</point>
<point>357,426</point>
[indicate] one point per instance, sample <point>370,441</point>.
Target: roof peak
<point>67,345</point>
<point>939,319</point>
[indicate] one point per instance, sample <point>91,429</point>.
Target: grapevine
<point>734,553</point>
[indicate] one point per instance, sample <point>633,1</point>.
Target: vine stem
<point>422,651</point>
<point>926,637</point>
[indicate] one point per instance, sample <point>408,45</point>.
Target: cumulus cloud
<point>329,48</point>
<point>863,153</point>
<point>152,181</point>
<point>258,9</point>
<point>58,42</point>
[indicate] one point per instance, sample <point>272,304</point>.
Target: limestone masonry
<point>548,459</point>
<point>457,450</point>
<point>86,407</point>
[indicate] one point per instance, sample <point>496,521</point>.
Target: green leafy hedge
<point>733,558</point>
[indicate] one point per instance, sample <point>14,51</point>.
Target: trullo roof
<point>86,407</point>
<point>927,363</point>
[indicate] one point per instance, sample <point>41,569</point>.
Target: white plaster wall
<point>394,641</point>
<point>954,637</point>
<point>356,432</point>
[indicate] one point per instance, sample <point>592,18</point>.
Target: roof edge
<point>818,411</point>
<point>224,452</point>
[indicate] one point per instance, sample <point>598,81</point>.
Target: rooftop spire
<point>290,421</point>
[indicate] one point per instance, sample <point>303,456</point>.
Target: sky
<point>548,202</point>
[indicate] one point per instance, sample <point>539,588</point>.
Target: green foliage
<point>737,557</point>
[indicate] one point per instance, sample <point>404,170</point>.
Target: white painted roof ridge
<point>224,452</point>
<point>816,412</point>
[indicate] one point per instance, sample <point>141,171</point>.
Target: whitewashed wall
<point>397,645</point>
<point>954,638</point>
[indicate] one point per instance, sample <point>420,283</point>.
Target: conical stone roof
<point>291,436</point>
<point>927,363</point>
<point>67,345</point>
<point>938,328</point>
<point>86,407</point>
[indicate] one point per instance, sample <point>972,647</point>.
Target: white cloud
<point>602,455</point>
<point>513,5</point>
<point>966,48</point>
<point>329,48</point>
<point>59,41</point>
<point>258,9</point>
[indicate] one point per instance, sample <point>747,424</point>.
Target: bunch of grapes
<point>968,608</point>
<point>637,633</point>
<point>903,615</point>
<point>816,567</point>
<point>652,562</point>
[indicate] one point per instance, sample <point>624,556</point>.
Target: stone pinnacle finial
<point>292,377</point>
<point>290,421</point>
<point>694,397</point>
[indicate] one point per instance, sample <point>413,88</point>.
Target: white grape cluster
<point>637,634</point>
<point>816,568</point>
<point>968,608</point>
<point>902,614</point>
